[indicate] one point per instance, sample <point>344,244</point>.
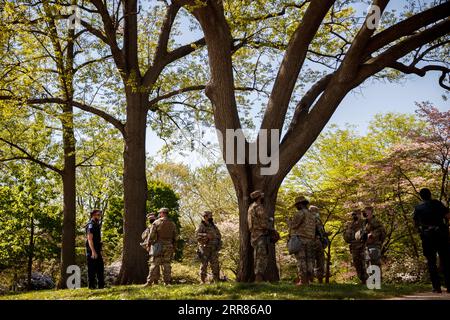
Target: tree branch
<point>106,116</point>
<point>164,35</point>
<point>411,69</point>
<point>399,50</point>
<point>29,157</point>
<point>110,33</point>
<point>102,114</point>
<point>292,63</point>
<point>154,101</point>
<point>355,54</point>
<point>407,27</point>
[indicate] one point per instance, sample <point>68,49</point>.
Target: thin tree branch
<point>29,157</point>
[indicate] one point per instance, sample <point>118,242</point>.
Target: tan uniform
<point>374,242</point>
<point>258,223</point>
<point>209,243</point>
<point>303,224</point>
<point>163,231</point>
<point>357,248</point>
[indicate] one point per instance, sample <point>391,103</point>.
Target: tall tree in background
<point>39,71</point>
<point>139,81</point>
<point>30,218</point>
<point>117,27</point>
<point>325,31</point>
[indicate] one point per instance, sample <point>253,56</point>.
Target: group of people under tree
<point>307,241</point>
<point>365,235</point>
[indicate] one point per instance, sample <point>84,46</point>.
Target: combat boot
<point>300,282</point>
<point>259,277</point>
<point>303,281</point>
<point>203,278</point>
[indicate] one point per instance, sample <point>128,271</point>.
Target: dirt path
<point>424,296</point>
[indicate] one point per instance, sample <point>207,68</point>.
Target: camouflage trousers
<point>359,261</point>
<point>210,255</point>
<point>375,254</point>
<point>305,260</point>
<point>261,255</point>
<point>319,259</point>
<point>163,260</point>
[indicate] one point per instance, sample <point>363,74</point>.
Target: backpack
<point>156,249</point>
<point>145,239</point>
<point>294,244</point>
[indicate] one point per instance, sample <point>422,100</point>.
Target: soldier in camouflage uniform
<point>164,232</point>
<point>320,244</point>
<point>352,235</point>
<point>209,243</point>
<point>303,224</point>
<point>259,226</point>
<point>376,234</point>
<point>151,217</point>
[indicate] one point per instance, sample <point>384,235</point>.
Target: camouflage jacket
<point>163,230</point>
<point>376,231</point>
<point>350,229</point>
<point>303,224</point>
<point>258,221</point>
<point>208,235</point>
<point>321,235</point>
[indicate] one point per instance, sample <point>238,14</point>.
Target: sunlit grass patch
<point>226,290</point>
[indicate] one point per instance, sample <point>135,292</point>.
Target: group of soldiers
<point>305,224</point>
<point>365,235</point>
<point>160,238</point>
<point>307,241</point>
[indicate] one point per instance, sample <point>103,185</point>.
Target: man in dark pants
<point>94,251</point>
<point>429,218</point>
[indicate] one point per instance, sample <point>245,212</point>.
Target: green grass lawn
<point>229,290</point>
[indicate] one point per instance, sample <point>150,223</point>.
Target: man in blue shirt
<point>94,251</point>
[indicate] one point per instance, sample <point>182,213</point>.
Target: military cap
<point>301,199</point>
<point>354,212</point>
<point>165,210</point>
<point>256,194</point>
<point>206,212</point>
<point>151,215</point>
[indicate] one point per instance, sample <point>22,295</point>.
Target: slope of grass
<point>229,290</point>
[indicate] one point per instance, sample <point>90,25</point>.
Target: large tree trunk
<point>134,259</point>
<point>69,196</point>
<point>245,271</point>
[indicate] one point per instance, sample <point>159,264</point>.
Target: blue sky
<point>360,105</point>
